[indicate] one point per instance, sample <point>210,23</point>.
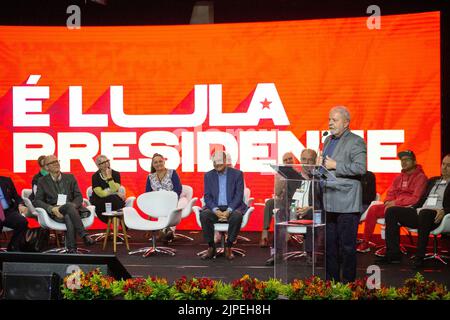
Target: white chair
<point>129,202</point>
<point>32,213</point>
<point>444,227</point>
<point>248,201</point>
<point>46,222</point>
<point>297,233</point>
<point>223,228</point>
<point>157,204</point>
<point>26,193</point>
<point>186,202</point>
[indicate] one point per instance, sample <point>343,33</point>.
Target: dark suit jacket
<point>47,194</point>
<point>34,182</point>
<point>10,193</point>
<point>235,190</point>
<point>430,186</point>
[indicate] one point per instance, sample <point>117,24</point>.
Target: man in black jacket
<point>425,216</point>
<point>58,193</point>
<point>12,210</point>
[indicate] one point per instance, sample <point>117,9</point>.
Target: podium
<point>300,221</point>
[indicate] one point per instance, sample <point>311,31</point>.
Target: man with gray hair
<point>58,194</point>
<point>345,156</point>
<point>224,194</point>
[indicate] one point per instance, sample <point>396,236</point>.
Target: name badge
<point>62,199</point>
<point>432,200</point>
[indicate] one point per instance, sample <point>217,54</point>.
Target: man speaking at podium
<point>344,155</point>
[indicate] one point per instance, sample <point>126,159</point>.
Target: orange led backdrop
<point>259,88</point>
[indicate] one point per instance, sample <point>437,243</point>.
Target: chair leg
<point>150,250</point>
<point>140,250</point>
<point>65,250</point>
<point>297,238</point>
<point>56,250</point>
<point>435,254</point>
<point>146,250</point>
<point>243,238</point>
<point>58,244</point>
<point>294,254</point>
<point>238,251</point>
<point>167,249</point>
<point>200,253</point>
<point>180,235</point>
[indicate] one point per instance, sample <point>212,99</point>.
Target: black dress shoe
<point>88,240</point>
<point>387,260</point>
<point>210,254</point>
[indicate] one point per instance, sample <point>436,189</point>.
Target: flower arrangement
<point>418,288</point>
<point>195,289</point>
<point>152,288</point>
<point>312,288</point>
<point>248,288</point>
<point>90,286</point>
<point>94,285</point>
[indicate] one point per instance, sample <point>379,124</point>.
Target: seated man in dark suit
<point>12,210</point>
<point>58,193</point>
<point>224,193</point>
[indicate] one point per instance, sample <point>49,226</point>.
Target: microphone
<point>319,153</point>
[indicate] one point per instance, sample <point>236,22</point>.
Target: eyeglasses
<point>106,161</point>
<point>53,162</point>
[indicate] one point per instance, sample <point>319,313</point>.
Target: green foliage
<point>225,291</point>
<point>195,289</point>
<point>145,289</point>
<point>94,285</point>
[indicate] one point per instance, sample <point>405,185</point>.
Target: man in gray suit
<point>58,194</point>
<point>345,156</point>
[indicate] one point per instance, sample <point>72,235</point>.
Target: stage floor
<point>187,263</point>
